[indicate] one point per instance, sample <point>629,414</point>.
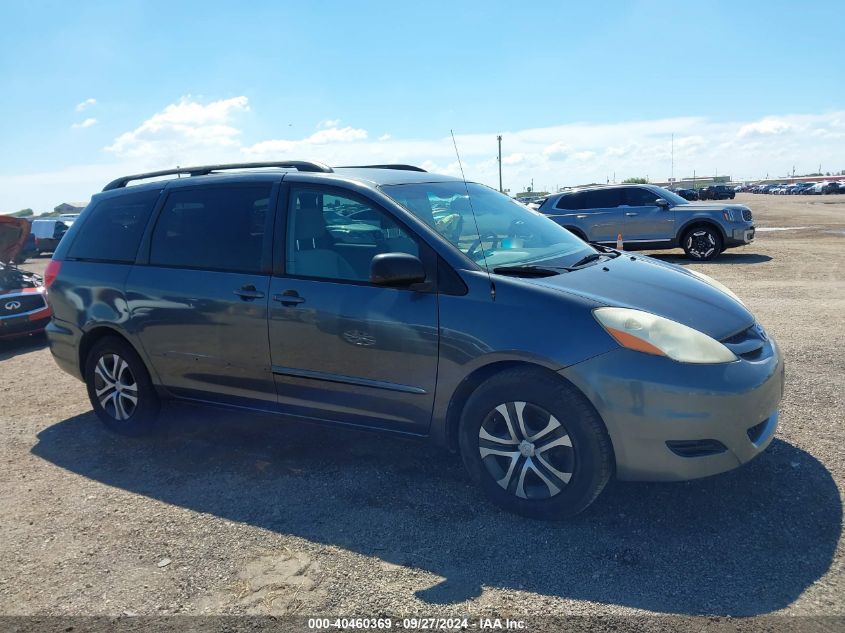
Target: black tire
<point>587,459</point>
<point>702,243</point>
<point>111,369</point>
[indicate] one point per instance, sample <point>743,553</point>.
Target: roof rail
<point>202,170</point>
<point>394,166</point>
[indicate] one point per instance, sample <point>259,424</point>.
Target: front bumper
<point>672,421</point>
<point>741,236</point>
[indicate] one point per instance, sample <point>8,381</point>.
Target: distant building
<point>692,182</point>
<point>70,207</point>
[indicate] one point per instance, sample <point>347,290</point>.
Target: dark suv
<point>717,192</point>
<point>649,217</point>
<point>392,299</point>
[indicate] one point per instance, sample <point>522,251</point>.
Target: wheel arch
<point>697,222</point>
<point>94,335</point>
<point>475,379</point>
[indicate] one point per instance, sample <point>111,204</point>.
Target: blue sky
<point>579,90</point>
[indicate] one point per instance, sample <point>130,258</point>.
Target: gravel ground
<point>241,514</point>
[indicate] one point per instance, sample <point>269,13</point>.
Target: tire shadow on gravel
<point>744,543</point>
<point>10,348</point>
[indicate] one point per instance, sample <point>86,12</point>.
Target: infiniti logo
<point>13,305</point>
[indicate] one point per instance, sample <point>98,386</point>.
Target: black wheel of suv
<point>702,243</point>
<point>120,388</point>
<point>535,444</point>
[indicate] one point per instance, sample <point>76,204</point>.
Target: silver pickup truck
<point>650,217</point>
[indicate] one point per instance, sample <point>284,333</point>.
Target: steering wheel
<point>473,248</point>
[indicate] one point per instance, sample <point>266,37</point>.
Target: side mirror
<point>662,203</point>
<point>396,269</point>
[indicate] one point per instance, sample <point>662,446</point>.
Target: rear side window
<point>214,228</point>
<point>113,228</point>
<point>601,199</point>
<point>569,202</point>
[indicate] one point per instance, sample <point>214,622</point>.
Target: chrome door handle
<point>248,293</point>
<point>630,214</point>
<point>289,298</point>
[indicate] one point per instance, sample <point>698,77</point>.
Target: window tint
<point>640,197</point>
<point>334,236</point>
<point>113,228</point>
<point>217,228</point>
<point>569,202</point>
<point>601,199</point>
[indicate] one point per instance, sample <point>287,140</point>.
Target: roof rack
<point>393,166</point>
<point>202,170</point>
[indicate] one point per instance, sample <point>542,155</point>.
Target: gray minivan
<point>388,298</point>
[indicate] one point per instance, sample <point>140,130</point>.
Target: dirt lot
<point>225,513</point>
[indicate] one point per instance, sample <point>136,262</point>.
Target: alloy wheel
<point>526,450</point>
<point>701,244</point>
<point>115,387</point>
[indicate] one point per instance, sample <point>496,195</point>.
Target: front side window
<point>113,229</point>
<point>334,236</point>
<point>640,197</point>
<point>487,226</point>
<point>215,228</point>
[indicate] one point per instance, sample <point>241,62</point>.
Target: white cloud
<point>321,137</point>
<point>767,126</point>
<point>85,104</point>
<point>183,131</point>
<point>328,123</point>
<point>86,123</point>
<point>192,131</point>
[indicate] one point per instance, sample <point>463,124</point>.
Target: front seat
<point>313,253</point>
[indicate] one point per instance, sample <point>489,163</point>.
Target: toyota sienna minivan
<point>388,298</point>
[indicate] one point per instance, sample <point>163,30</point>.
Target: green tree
<point>636,181</point>
<point>24,213</point>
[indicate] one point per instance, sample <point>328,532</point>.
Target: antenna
<point>472,210</point>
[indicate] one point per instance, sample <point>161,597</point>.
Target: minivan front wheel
<point>702,243</point>
<point>120,389</point>
<point>535,444</point>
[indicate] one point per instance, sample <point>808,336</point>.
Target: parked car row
<point>414,303</point>
<point>798,188</point>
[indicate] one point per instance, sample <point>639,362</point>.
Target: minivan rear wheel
<point>534,444</point>
<point>120,389</point>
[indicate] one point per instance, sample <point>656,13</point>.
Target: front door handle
<point>249,293</point>
<point>631,213</point>
<point>289,298</point>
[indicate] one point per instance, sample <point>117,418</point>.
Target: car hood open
<point>13,234</point>
<point>648,284</point>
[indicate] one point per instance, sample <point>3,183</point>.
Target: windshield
<point>502,233</point>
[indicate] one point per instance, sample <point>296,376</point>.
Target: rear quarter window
<point>113,229</point>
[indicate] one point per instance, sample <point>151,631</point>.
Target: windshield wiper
<point>528,271</point>
<point>593,257</point>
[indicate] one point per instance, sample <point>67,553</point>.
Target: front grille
<point>756,431</point>
<point>696,448</point>
<point>746,215</point>
<point>748,344</point>
<point>12,305</point>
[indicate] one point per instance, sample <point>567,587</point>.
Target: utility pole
<point>672,174</point>
<point>499,138</point>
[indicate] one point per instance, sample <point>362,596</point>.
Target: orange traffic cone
<point>619,242</point>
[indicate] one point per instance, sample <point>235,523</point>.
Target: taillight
<point>51,272</point>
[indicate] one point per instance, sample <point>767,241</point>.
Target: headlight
<point>716,284</point>
<point>652,334</point>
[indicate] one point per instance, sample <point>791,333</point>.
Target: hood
<point>650,285</point>
<point>716,205</point>
<point>13,234</point>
